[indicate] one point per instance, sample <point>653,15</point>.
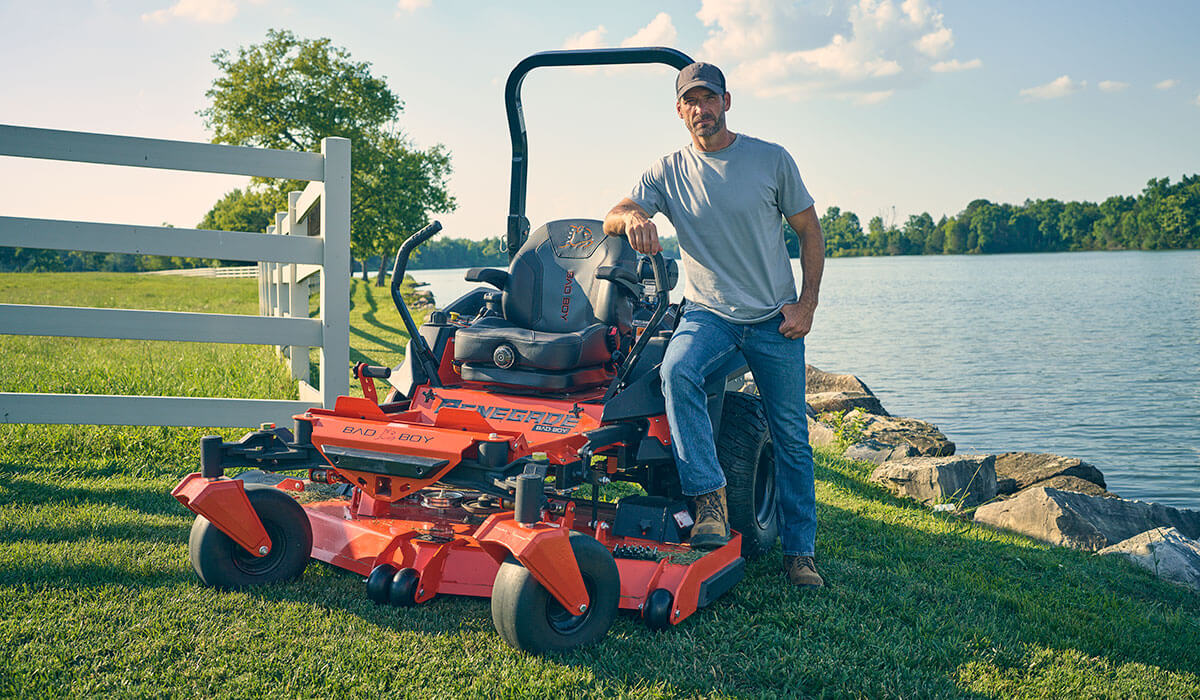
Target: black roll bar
<point>518,225</point>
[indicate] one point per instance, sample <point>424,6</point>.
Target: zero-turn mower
<point>472,476</point>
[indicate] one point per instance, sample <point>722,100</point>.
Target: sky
<point>890,108</point>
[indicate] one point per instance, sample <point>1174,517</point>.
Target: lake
<point>1089,355</point>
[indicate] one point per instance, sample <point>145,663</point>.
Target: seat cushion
<point>544,380</point>
<point>540,350</point>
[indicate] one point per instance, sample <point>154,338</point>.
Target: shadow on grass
<point>153,499</point>
<point>381,342</point>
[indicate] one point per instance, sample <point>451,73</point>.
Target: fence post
<point>298,297</point>
<point>335,271</point>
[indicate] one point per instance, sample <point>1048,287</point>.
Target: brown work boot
<point>712,523</point>
<point>802,571</point>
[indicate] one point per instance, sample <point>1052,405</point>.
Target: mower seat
<point>560,324</point>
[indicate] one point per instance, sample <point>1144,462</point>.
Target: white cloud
<point>794,48</point>
<point>1198,100</point>
<point>592,39</point>
<point>1059,87</point>
<point>660,32</point>
<point>954,65</point>
<point>409,6</point>
<point>1166,84</point>
<point>207,11</point>
<point>1112,85</point>
<point>935,43</point>
<point>873,98</point>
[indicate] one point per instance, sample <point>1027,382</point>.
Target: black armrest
<point>488,275</point>
<point>622,277</point>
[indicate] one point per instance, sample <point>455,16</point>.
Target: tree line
<point>1165,216</point>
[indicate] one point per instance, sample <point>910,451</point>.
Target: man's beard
<point>710,128</point>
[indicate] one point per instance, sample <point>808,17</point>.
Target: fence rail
<point>311,238</point>
<point>245,271</point>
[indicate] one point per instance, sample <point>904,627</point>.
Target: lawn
<point>97,596</point>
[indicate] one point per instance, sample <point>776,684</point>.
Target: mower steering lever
<point>424,355</point>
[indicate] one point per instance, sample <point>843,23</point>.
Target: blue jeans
<point>701,342</point>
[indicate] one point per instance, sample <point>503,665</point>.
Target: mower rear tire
<point>747,457</point>
<point>222,563</point>
<point>530,619</point>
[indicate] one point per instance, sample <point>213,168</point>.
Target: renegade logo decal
<point>542,421</point>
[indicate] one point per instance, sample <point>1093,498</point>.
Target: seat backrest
<point>552,282</point>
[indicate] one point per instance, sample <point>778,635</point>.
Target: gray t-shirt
<point>726,206</point>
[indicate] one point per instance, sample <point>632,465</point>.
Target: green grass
<point>97,596</point>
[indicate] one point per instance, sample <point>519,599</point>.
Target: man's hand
<point>630,220</point>
<point>797,319</point>
<point>642,233</point>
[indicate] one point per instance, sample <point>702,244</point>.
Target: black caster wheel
<point>657,609</point>
<point>530,619</point>
<point>402,591</point>
<point>223,563</point>
<point>379,582</point>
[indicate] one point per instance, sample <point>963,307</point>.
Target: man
<point>725,194</point>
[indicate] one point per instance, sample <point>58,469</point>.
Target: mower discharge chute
<point>511,399</point>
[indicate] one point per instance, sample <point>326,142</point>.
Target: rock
<point>1165,552</point>
<point>1063,482</point>
<point>1029,468</point>
<point>817,381</point>
<point>877,452</point>
<point>1081,521</point>
<point>829,392</point>
<point>970,479</point>
<point>925,439</point>
<point>820,435</point>
<point>838,401</point>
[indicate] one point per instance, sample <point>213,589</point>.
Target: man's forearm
<point>616,219</point>
<point>812,263</point>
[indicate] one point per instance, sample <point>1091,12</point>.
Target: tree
<point>289,93</point>
<point>399,186</point>
<point>251,210</point>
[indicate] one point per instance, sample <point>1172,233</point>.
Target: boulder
<point>925,439</point>
<point>817,381</point>
<point>877,452</point>
<point>1165,552</point>
<point>839,401</point>
<point>827,392</point>
<point>1081,521</point>
<point>969,479</point>
<point>820,435</point>
<point>1064,482</point>
<point>1029,468</point>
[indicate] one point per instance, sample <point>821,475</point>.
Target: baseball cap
<point>699,74</point>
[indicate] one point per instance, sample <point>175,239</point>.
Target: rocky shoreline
<point>1060,500</point>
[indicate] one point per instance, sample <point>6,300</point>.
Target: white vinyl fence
<point>315,240</point>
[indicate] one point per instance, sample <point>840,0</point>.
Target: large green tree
<point>289,93</point>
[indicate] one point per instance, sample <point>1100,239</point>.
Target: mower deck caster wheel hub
<point>379,583</point>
